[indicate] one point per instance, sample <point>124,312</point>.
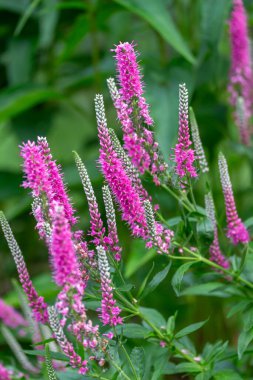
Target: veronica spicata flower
<point>236,231</point>
<point>241,71</point>
<point>184,155</point>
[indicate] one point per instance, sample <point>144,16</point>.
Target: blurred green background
<point>56,55</point>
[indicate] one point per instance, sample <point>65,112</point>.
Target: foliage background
<point>55,56</point>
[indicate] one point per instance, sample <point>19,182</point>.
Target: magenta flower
<point>44,178</point>
<point>62,250</point>
<point>5,374</point>
<point>184,155</point>
<point>241,71</point>
<point>36,303</point>
<point>215,253</point>
<point>126,196</point>
<point>10,317</point>
<point>109,312</point>
<point>56,179</point>
<point>236,231</point>
<point>133,113</point>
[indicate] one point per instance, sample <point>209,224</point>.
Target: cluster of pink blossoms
<point>133,113</point>
<point>241,80</point>
<point>5,374</point>
<point>10,317</point>
<point>127,196</point>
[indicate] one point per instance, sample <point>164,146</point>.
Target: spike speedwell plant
<point>95,307</point>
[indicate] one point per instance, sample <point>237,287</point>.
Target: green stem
<point>119,369</point>
<point>185,202</point>
<point>130,362</point>
<point>234,275</point>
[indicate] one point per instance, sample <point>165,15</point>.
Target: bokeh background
<point>55,55</point>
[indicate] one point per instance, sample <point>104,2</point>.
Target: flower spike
<point>120,184</point>
<point>111,222</point>
<point>200,153</point>
<point>109,313</point>
<point>36,302</point>
<point>215,253</point>
<point>236,231</point>
<point>74,359</point>
<point>184,155</point>
<point>97,229</point>
<point>241,67</point>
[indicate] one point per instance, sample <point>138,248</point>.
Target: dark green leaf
<point>16,101</point>
<point>156,280</point>
<point>156,14</point>
<point>190,329</point>
<point>153,316</point>
<point>178,276</point>
<point>138,359</point>
<point>132,330</point>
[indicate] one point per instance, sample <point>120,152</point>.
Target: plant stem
<point>234,275</point>
<point>130,362</point>
<point>185,202</point>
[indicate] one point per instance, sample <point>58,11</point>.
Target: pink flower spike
<point>133,113</point>
<point>120,184</point>
<point>62,250</point>
<point>236,231</point>
<point>130,78</point>
<point>56,179</point>
<point>5,374</point>
<point>10,317</point>
<point>184,155</point>
<point>215,253</point>
<point>241,71</point>
<point>37,303</point>
<point>109,313</point>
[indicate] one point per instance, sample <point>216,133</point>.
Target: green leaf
<point>188,368</point>
<point>132,330</point>
<point>14,101</point>
<point>156,14</point>
<point>171,324</point>
<point>214,14</point>
<point>74,38</point>
<point>156,280</point>
<point>27,14</point>
<point>178,276</point>
<point>138,257</point>
<point>137,357</point>
<point>227,374</point>
<point>54,355</point>
<point>144,283</point>
<point>244,340</point>
<point>13,5</point>
<point>210,289</point>
<point>190,329</point>
<point>153,316</point>
<point>238,307</point>
<point>47,23</point>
